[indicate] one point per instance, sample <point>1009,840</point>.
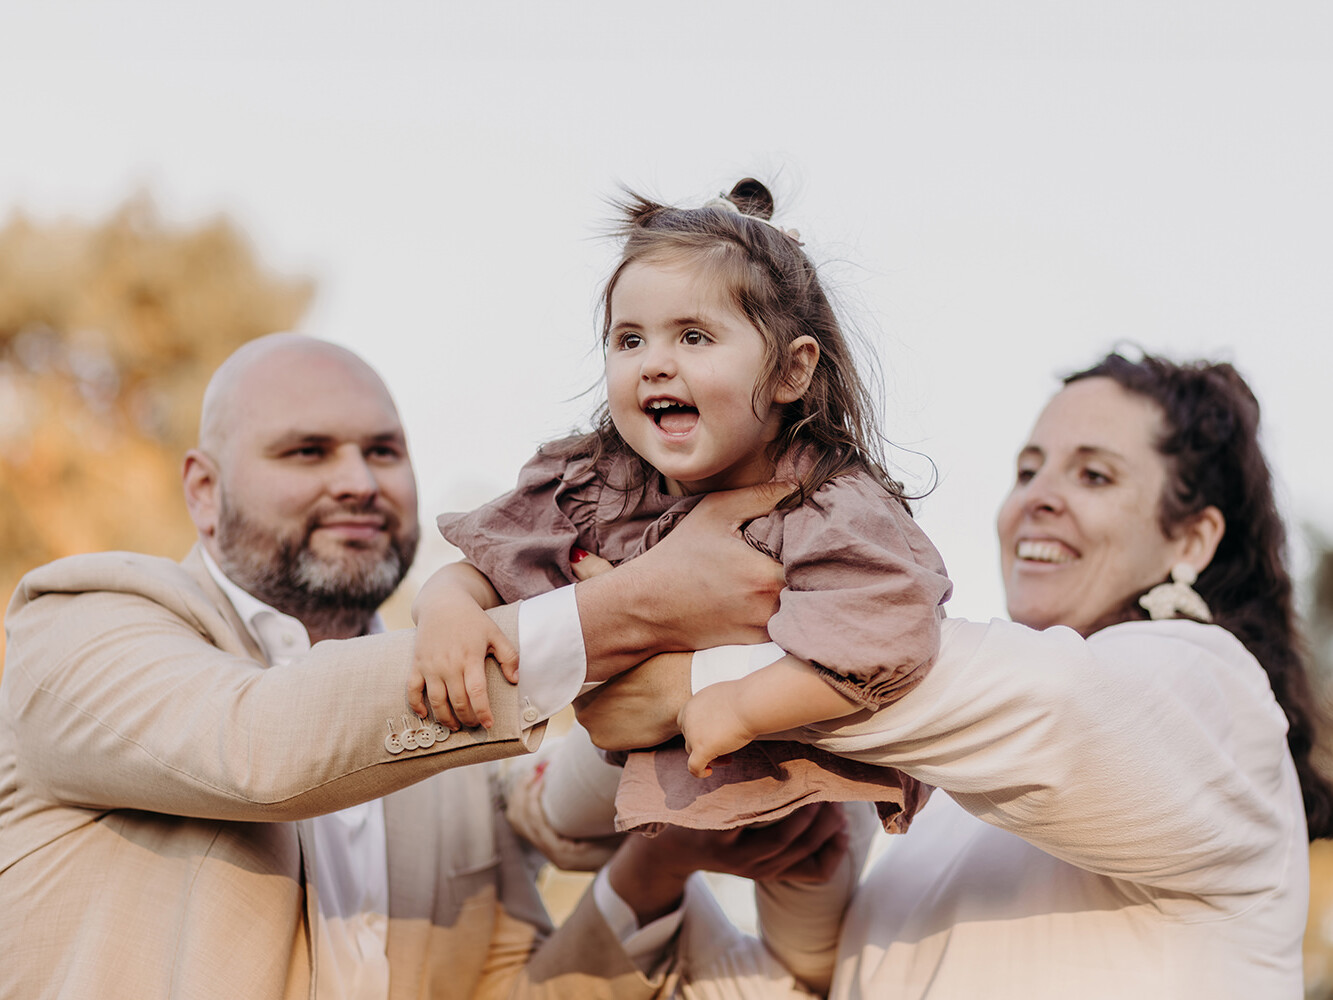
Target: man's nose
<point>351,476</point>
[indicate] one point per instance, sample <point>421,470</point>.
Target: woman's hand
<point>523,809</point>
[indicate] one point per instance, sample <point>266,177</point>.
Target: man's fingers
<point>813,852</point>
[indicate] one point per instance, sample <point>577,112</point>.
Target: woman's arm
<point>1152,751</point>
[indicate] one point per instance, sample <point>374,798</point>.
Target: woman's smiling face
<point>1080,536</point>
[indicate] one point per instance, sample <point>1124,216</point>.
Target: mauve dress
<point>862,603</point>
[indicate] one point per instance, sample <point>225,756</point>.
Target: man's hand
<point>701,586</point>
<point>807,846</point>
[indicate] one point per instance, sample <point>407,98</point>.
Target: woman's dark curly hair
<point>1211,445</point>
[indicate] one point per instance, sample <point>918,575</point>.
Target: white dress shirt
<point>351,873</point>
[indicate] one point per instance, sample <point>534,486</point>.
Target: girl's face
<point>682,363</point>
<point>1079,532</point>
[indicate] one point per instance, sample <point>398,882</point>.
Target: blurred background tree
<point>108,334</point>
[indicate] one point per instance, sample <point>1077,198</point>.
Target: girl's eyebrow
<point>681,321</point>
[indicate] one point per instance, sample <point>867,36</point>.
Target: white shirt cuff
<point>552,659</point>
<point>645,946</point>
<point>728,663</point>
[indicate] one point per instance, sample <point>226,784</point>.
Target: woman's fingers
<point>586,565</point>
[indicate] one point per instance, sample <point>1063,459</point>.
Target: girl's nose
<point>658,363</point>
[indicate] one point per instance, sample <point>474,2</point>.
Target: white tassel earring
<point>1177,598</point>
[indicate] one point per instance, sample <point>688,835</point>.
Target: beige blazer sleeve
<point>131,686</point>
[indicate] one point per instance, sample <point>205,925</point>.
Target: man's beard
<point>287,574</point>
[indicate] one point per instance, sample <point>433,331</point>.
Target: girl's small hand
<point>454,637</point>
<point>712,727</point>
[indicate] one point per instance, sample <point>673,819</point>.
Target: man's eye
<point>1025,475</point>
<point>307,451</point>
<point>384,452</point>
<point>1095,478</point>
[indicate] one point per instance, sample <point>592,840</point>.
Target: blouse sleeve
<point>521,540</point>
<point>1152,751</point>
<point>864,586</point>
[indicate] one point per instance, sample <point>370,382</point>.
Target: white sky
<point>1004,191</point>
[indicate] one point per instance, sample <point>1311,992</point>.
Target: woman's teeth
<point>1047,552</point>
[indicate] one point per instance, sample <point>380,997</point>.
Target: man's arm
<point>127,687</point>
<point>701,586</point>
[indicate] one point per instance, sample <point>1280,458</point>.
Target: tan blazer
<point>154,780</point>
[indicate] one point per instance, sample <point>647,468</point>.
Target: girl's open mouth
<point>672,416</point>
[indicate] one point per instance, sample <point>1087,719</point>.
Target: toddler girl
<point>725,367</point>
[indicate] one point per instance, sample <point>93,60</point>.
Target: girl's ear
<point>804,355</point>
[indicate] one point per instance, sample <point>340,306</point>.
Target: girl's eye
<point>628,341</point>
<point>694,337</point>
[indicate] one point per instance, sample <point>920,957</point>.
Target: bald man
<point>201,797</point>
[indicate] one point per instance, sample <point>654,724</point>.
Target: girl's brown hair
<point>1213,457</point>
<point>775,285</point>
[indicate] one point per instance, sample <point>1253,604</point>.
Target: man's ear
<point>201,491</point>
<point>1201,536</point>
<point>804,355</point>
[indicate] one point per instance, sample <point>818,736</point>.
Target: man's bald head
<point>258,366</point>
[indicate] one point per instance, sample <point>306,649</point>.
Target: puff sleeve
<point>864,589</point>
<point>521,540</point>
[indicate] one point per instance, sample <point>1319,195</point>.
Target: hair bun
<point>752,198</point>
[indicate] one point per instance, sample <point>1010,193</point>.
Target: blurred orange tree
<point>108,334</point>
